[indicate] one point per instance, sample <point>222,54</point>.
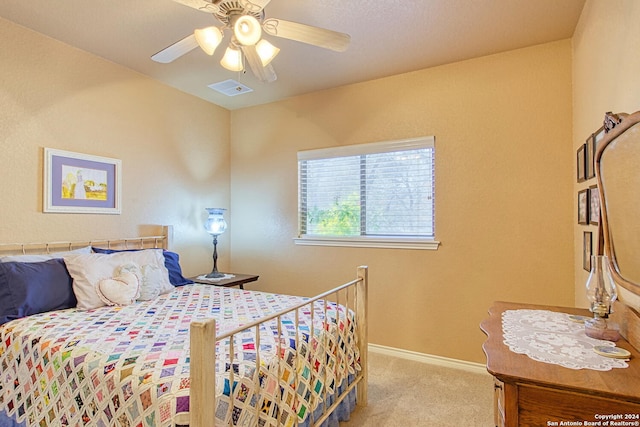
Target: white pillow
<point>44,257</point>
<point>149,277</point>
<point>88,270</point>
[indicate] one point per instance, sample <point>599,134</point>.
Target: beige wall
<point>174,147</point>
<point>606,66</point>
<point>504,205</point>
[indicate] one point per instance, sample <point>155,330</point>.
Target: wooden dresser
<point>531,393</point>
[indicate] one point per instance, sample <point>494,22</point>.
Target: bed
<point>189,355</point>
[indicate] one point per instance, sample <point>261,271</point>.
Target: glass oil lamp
<point>601,293</point>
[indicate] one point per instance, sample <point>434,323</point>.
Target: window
<point>379,194</point>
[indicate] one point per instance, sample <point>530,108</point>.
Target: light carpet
<point>408,393</point>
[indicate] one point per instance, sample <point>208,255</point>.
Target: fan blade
<point>202,5</point>
<point>176,50</point>
<point>264,74</point>
<point>254,6</point>
<point>307,34</point>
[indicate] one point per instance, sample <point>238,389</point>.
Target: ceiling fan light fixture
<point>208,38</point>
<point>232,59</point>
<point>266,52</point>
<point>247,30</point>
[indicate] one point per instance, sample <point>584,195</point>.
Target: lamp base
<point>214,275</point>
<point>600,329</point>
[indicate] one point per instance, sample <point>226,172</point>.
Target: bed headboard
<point>160,241</point>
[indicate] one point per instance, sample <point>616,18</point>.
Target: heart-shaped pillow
<point>120,290</point>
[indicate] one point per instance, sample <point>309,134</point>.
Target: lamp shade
<point>208,38</point>
<point>266,52</point>
<point>247,30</point>
<point>232,59</point>
<point>215,223</point>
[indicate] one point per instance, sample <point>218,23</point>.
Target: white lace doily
<point>216,279</point>
<point>551,337</point>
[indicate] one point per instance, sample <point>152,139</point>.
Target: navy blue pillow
<point>28,288</point>
<point>171,262</point>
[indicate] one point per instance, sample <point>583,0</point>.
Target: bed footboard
<point>203,375</point>
<point>363,334</point>
<point>352,296</point>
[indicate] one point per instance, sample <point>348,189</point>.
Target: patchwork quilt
<point>129,366</point>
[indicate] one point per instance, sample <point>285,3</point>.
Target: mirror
<point>617,166</point>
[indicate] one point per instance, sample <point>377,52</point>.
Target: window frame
<point>375,241</point>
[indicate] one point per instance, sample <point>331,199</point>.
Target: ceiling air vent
<point>230,87</point>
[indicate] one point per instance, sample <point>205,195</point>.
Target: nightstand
<point>238,280</point>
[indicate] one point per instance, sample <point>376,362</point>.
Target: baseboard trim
<point>446,362</point>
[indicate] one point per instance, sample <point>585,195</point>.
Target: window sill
<point>369,242</point>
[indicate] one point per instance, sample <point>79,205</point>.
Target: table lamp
<point>215,225</point>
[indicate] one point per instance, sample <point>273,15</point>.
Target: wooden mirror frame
<point>615,126</point>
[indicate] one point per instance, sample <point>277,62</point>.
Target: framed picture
<point>583,206</point>
<point>581,161</point>
<point>594,205</point>
<point>590,155</point>
<point>597,137</point>
<point>81,183</point>
<point>586,250</point>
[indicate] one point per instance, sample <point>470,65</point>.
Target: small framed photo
<point>583,206</point>
<point>586,250</point>
<point>594,205</point>
<point>81,183</point>
<point>590,156</point>
<point>597,137</point>
<point>581,162</point>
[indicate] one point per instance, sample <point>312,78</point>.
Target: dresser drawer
<point>540,406</point>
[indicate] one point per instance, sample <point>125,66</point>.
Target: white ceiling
<point>388,37</point>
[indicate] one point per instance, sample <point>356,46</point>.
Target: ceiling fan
<point>246,20</point>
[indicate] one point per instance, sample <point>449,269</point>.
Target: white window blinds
<point>382,189</point>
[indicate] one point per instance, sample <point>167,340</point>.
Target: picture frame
<point>594,205</point>
<point>581,162</point>
<point>590,156</point>
<point>587,241</point>
<point>583,206</point>
<point>597,137</point>
<point>101,179</point>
